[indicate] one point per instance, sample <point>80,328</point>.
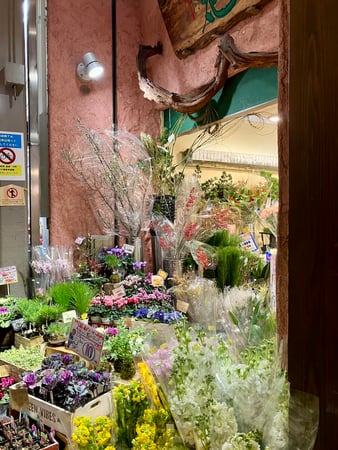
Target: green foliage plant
<point>61,295</point>
<point>25,358</point>
<point>229,259</point>
<point>58,330</point>
<point>82,294</point>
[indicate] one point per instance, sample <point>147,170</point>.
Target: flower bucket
<point>174,267</point>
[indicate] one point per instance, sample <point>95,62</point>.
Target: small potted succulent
<point>56,333</point>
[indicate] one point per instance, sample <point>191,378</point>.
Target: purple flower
<point>139,265</point>
<point>67,359</point>
<point>30,380</point>
<point>49,381</point>
<point>65,376</point>
<point>112,331</point>
<point>159,315</point>
<point>3,310</point>
<point>141,313</point>
<point>119,252</point>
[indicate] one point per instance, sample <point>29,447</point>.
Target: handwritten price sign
<point>86,341</point>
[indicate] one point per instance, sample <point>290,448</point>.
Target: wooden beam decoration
<point>193,24</point>
<point>228,56</point>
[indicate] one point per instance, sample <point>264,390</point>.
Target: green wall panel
<point>241,92</point>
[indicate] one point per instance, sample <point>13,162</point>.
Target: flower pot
<point>4,409</point>
<point>105,320</point>
<point>95,319</point>
<point>128,369</point>
<point>56,342</point>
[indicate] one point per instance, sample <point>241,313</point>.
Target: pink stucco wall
<point>85,25</point>
<point>74,28</point>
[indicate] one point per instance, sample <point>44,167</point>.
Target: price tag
<point>18,397</point>
<point>128,249</point>
<point>68,316</point>
<point>8,275</point>
<point>248,242</point>
<point>118,292</point>
<point>182,306</point>
<point>156,280</point>
<point>162,274</point>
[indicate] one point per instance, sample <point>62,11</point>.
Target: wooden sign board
<point>193,24</point>
<point>86,341</point>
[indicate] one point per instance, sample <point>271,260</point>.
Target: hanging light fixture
<point>90,68</point>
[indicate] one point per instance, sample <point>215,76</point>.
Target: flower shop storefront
<point>109,355</point>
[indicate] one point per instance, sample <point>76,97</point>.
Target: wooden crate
<point>8,370</point>
<point>62,420</point>
<point>67,351</point>
<point>25,342</point>
<point>54,445</point>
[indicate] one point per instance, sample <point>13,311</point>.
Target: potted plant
<point>82,295</point>
<point>5,382</point>
<point>65,383</point>
<point>121,346</point>
<point>61,295</point>
<point>23,358</point>
<point>57,332</point>
<point>7,315</point>
<point>21,434</point>
<point>96,310</point>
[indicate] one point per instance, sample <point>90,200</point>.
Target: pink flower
<point>190,230</point>
<point>96,301</point>
<point>108,301</point>
<point>112,331</point>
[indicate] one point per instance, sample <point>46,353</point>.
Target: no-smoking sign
<point>12,157</point>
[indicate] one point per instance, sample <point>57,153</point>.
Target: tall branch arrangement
<point>115,169</point>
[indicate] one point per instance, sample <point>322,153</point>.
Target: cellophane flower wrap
<point>269,217</point>
<point>50,265</point>
<point>173,236</point>
<point>198,297</point>
<point>226,388</point>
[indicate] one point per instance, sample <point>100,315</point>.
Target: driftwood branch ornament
<point>228,57</point>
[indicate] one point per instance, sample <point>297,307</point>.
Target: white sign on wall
<point>12,195</point>
<point>12,156</point>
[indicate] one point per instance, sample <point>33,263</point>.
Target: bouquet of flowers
<point>50,265</point>
<point>173,236</point>
<point>269,216</point>
<point>130,403</point>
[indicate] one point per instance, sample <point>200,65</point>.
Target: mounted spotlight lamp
<point>89,69</point>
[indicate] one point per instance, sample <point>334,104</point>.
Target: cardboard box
<point>62,420</point>
<point>25,342</point>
